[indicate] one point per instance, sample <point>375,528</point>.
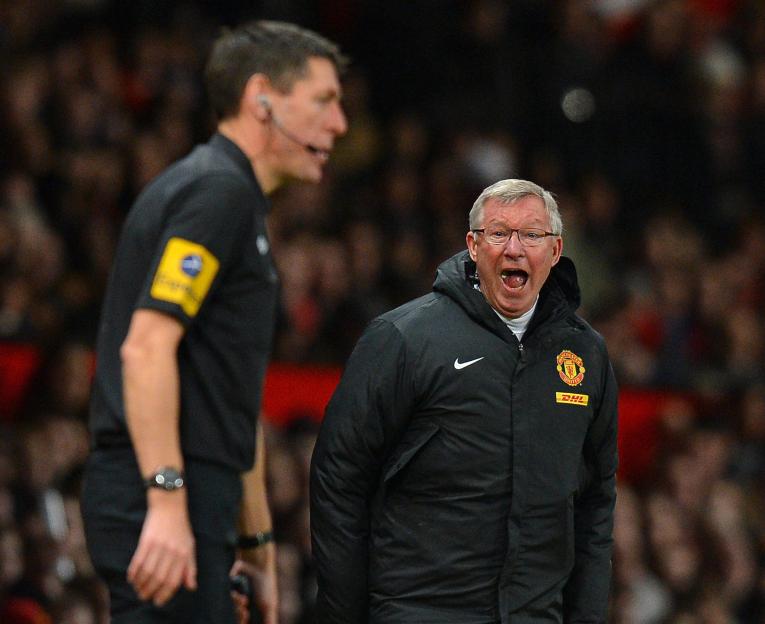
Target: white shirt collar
<point>518,325</point>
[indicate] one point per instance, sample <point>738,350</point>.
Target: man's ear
<point>256,91</point>
<point>472,243</point>
<point>557,250</point>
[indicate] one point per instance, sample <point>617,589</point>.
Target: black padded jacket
<point>461,476</point>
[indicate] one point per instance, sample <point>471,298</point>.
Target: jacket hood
<point>456,278</point>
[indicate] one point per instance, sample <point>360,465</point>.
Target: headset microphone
<point>266,104</point>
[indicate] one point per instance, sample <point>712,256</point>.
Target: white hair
<point>509,191</point>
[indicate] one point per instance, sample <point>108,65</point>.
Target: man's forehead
<point>530,205</point>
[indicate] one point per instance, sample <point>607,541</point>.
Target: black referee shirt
<point>195,246</point>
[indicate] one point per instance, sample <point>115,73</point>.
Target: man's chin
<point>516,306</point>
<point>312,175</point>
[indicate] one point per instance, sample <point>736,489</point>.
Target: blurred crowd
<point>646,118</point>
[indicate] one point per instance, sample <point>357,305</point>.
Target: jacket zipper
<point>509,565</point>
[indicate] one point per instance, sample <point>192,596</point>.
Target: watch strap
<point>248,542</point>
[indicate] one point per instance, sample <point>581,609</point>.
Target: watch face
<point>167,479</point>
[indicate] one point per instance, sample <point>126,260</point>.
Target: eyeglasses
<point>528,237</point>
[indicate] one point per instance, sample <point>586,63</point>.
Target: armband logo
<point>570,368</point>
<point>185,274</point>
<point>192,265</point>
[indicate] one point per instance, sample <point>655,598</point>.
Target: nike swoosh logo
<point>460,365</point>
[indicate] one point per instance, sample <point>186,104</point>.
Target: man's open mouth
<point>321,154</point>
<point>514,278</point>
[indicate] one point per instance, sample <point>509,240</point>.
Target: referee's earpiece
<point>265,102</point>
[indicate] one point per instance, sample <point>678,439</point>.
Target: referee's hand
<point>265,594</point>
<point>165,556</point>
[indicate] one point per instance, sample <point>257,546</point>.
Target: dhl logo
<point>572,399</point>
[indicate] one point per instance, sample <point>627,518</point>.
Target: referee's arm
<point>258,561</point>
<point>165,556</point>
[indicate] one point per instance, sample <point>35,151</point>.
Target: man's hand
<point>165,556</point>
<point>264,591</point>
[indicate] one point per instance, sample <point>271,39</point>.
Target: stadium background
<point>646,118</point>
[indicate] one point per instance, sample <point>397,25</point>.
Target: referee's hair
<point>277,49</point>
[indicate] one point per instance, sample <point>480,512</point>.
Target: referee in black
<point>185,335</point>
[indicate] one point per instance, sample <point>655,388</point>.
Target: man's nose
<point>513,245</point>
<point>338,121</point>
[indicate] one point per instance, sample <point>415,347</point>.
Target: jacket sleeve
<point>363,421</point>
<point>585,597</point>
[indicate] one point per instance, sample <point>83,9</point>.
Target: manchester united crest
<point>570,368</point>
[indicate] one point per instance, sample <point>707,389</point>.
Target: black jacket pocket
<point>406,451</point>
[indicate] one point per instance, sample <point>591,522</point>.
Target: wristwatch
<point>165,478</point>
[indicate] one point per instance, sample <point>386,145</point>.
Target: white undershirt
<point>518,325</point>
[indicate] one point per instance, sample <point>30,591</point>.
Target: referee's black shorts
<point>113,510</point>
